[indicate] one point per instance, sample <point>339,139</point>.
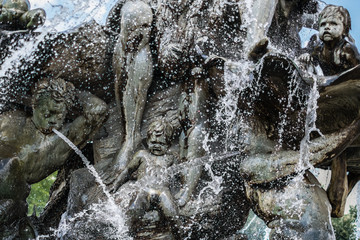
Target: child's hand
<point>305,58</point>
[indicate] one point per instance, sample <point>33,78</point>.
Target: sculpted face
<point>136,24</point>
<point>157,143</point>
<point>49,114</point>
<point>331,28</point>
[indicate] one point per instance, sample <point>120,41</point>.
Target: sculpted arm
<point>39,162</point>
<point>262,168</point>
<point>130,169</point>
<point>351,54</point>
<point>11,131</point>
<point>94,114</point>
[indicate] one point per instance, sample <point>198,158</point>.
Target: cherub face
<point>331,28</point>
<point>157,143</point>
<point>49,114</point>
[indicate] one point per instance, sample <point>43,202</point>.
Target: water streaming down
<point>237,77</point>
<point>310,126</point>
<point>107,212</point>
<point>61,16</point>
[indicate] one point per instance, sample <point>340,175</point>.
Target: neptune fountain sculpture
<point>191,113</point>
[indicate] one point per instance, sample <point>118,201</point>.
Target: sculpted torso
<point>20,138</point>
<point>152,166</point>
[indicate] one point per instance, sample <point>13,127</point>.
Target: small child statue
<point>152,168</point>
<point>16,15</point>
<point>335,52</point>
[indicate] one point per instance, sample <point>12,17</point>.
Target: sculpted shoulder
<point>15,129</point>
<point>12,123</point>
<point>142,154</point>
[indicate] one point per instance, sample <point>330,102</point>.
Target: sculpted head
<point>159,137</point>
<point>136,20</point>
<point>51,99</point>
<point>334,23</point>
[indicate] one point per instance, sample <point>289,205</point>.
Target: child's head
<point>159,137</point>
<point>334,23</point>
<point>51,99</point>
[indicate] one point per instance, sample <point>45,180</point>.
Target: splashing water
<point>108,211</point>
<point>236,78</point>
<point>294,87</point>
<point>358,212</point>
<point>310,126</point>
<point>61,16</point>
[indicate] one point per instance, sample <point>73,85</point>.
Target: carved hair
<point>58,89</point>
<point>331,10</point>
<point>161,126</point>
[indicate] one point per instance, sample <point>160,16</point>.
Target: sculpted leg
<point>167,204</point>
<point>133,67</point>
<point>195,133</point>
<point>338,188</point>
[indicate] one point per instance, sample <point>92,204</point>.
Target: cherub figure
<point>133,68</point>
<point>17,15</point>
<point>333,53</point>
<point>152,169</point>
<point>30,151</point>
<point>332,49</point>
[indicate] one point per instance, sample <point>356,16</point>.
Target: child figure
<point>17,15</point>
<point>151,166</point>
<point>335,52</point>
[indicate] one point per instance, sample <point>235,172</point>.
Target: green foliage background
<point>39,194</point>
<point>345,227</point>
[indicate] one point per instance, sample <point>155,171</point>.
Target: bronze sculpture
<point>40,152</point>
<point>170,60</point>
<point>17,15</point>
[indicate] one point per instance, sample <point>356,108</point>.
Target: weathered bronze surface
<point>168,72</point>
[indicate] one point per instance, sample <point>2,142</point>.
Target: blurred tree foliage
<point>39,194</point>
<point>345,227</point>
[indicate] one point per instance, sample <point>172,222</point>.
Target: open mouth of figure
<point>48,130</point>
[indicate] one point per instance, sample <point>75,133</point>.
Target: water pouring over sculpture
<point>164,69</point>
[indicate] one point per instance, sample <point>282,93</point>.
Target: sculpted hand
<point>305,58</point>
<point>110,170</point>
<point>182,196</point>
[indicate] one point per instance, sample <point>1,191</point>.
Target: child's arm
<point>349,58</point>
<point>351,55</point>
<point>126,173</point>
